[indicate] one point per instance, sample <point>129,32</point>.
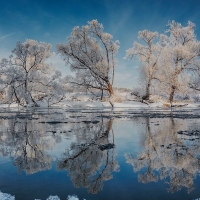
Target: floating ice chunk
<point>73,197</point>
<point>4,196</point>
<point>70,197</point>
<point>53,198</point>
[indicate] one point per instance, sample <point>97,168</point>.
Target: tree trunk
<point>18,101</point>
<point>26,88</point>
<point>171,96</point>
<point>35,104</point>
<point>111,93</point>
<point>146,96</point>
<point>110,88</point>
<point>102,94</point>
<point>109,127</point>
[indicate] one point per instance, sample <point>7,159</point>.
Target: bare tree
<point>27,77</point>
<point>90,52</point>
<point>180,56</point>
<point>148,54</point>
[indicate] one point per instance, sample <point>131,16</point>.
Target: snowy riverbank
<point>126,105</point>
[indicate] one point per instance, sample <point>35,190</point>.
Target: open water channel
<point>96,154</point>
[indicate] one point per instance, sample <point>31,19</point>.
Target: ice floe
<point>4,196</point>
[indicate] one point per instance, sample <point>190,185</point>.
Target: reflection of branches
<point>22,140</point>
<point>87,165</point>
<point>148,176</point>
<point>170,152</point>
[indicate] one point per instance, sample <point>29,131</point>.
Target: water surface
<point>100,155</point>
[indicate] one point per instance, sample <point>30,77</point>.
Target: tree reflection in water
<point>87,165</point>
<point>90,160</point>
<point>170,154</point>
<point>23,140</point>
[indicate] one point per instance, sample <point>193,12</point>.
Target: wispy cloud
<point>118,23</point>
<point>5,36</point>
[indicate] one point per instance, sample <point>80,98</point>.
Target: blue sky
<point>51,21</point>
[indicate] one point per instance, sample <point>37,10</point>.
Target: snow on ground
<point>104,105</point>
<point>192,105</point>
<point>82,100</point>
<point>13,105</point>
<point>89,104</point>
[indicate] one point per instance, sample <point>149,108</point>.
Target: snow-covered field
<point>126,105</point>
<point>123,101</point>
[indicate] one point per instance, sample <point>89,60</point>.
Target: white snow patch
<point>128,104</point>
<point>88,104</point>
<point>154,105</point>
<point>12,105</point>
<point>192,105</point>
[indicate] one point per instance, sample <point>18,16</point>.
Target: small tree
<point>90,52</point>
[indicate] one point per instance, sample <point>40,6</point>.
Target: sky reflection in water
<point>97,157</point>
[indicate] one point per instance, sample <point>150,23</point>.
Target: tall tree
<point>148,54</point>
<point>90,52</point>
<point>179,57</point>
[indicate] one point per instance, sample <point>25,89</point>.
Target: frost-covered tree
<point>27,77</point>
<point>148,54</point>
<point>169,58</point>
<point>90,52</point>
<point>180,56</point>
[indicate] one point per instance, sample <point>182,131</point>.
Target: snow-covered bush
<point>81,96</point>
<point>138,91</point>
<point>118,97</point>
